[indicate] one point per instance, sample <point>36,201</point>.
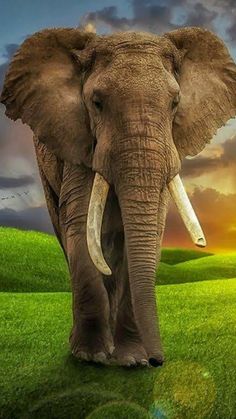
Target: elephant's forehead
<point>140,41</point>
<point>133,62</point>
<point>131,37</point>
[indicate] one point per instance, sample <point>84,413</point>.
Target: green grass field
<point>40,379</point>
<point>34,262</point>
<point>31,261</point>
<point>202,269</point>
<point>172,256</point>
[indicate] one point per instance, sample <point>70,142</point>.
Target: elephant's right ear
<point>43,88</point>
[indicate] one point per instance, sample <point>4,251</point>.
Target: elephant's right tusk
<point>186,211</point>
<point>94,223</point>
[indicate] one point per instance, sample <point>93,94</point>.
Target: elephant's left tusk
<point>186,211</point>
<point>94,223</point>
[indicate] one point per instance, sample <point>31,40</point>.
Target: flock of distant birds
<point>14,196</point>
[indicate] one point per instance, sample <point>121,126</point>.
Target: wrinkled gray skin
<point>129,106</point>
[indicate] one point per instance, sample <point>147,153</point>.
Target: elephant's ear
<point>207,78</point>
<point>43,88</point>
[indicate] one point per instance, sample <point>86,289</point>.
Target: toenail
<point>131,360</point>
<point>100,357</point>
<point>111,349</point>
<point>83,355</point>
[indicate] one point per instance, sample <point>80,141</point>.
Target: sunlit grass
<point>31,261</point>
<point>198,324</point>
<point>203,269</point>
<point>173,255</point>
<point>34,262</point>
<point>39,378</point>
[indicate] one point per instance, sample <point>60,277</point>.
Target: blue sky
<point>22,17</point>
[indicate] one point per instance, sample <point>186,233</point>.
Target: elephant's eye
<point>175,102</point>
<point>98,104</point>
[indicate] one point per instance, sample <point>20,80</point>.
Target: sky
<point>209,177</point>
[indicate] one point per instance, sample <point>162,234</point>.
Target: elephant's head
<point>131,106</point>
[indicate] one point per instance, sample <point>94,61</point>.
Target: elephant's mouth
<point>96,209</point>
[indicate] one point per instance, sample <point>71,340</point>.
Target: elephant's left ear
<point>207,78</point>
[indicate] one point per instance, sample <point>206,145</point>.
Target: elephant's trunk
<point>138,187</point>
<point>139,216</point>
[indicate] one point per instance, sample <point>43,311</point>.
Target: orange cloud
<point>216,213</point>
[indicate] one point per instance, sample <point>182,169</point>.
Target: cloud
<point>146,16</point>
<point>225,158</point>
<point>108,16</point>
<point>3,69</point>
<point>227,11</point>
<point>36,218</point>
<point>216,213</point>
<point>231,31</point>
<point>152,16</point>
<point>229,151</point>
<point>15,137</point>
<point>10,50</point>
<point>201,16</point>
<point>18,162</point>
<point>17,155</point>
<point>11,182</point>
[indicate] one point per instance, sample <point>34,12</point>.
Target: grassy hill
<point>40,378</point>
<point>34,262</point>
<point>172,255</point>
<point>31,261</point>
<point>201,269</point>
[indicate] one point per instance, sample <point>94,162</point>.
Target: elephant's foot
<point>91,346</point>
<point>129,354</point>
<point>85,355</point>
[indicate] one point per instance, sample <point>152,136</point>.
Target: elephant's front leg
<point>91,337</point>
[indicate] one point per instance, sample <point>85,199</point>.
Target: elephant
<point>113,117</point>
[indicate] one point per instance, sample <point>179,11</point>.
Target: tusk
<point>186,210</point>
<point>94,222</point>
